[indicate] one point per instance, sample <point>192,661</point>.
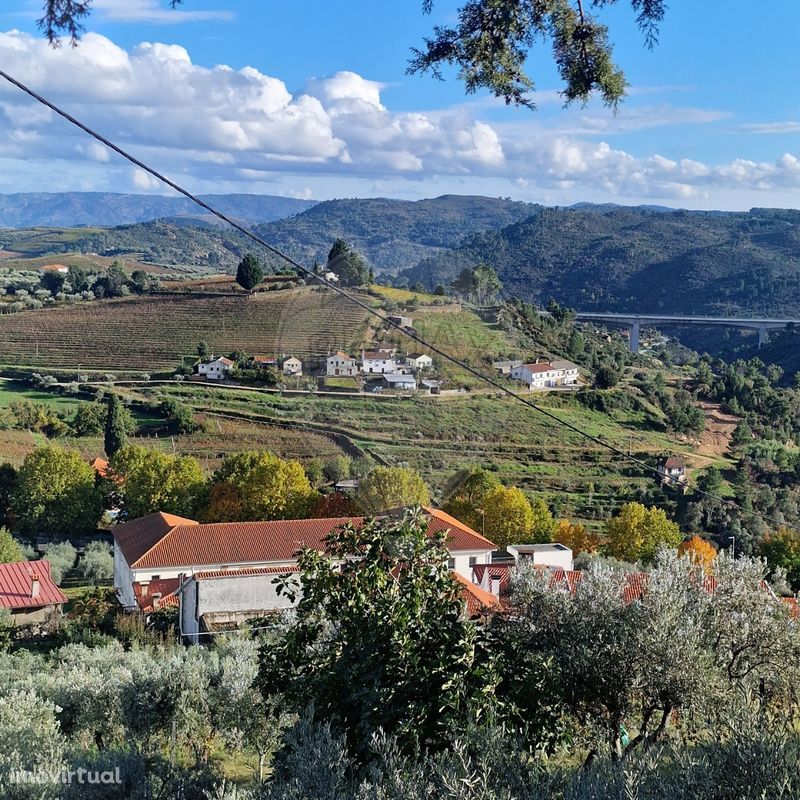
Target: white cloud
<point>144,182</point>
<point>769,127</point>
<point>151,11</point>
<point>238,129</point>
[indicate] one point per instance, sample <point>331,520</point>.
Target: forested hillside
<point>639,259</point>
<point>70,209</point>
<point>392,234</point>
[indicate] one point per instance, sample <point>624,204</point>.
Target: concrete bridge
<point>635,321</point>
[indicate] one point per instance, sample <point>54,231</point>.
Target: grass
<point>403,295</point>
<point>14,392</point>
<point>466,337</point>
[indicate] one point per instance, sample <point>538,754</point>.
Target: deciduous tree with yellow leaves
<point>637,532</point>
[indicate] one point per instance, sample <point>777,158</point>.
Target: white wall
<point>461,558</point>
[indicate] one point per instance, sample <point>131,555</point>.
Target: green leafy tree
<point>337,468</point>
<point>52,281</point>
<point>391,487</point>
<point>468,503</point>
<point>203,350</point>
<point>154,481</point>
<point>97,562</point>
<point>56,493</point>
<point>89,419</point>
<point>509,516</point>
<point>78,279</point>
<point>490,42</point>
<point>258,485</point>
<point>140,282</point>
<point>347,264</point>
<point>249,272</point>
<point>781,549</point>
<point>8,482</point>
<point>487,284</point>
<point>114,283</point>
<point>116,433</point>
<point>10,548</point>
<point>61,556</point>
<point>382,644</point>
<point>606,376</point>
<point>637,532</point>
<point>179,417</point>
<point>314,468</point>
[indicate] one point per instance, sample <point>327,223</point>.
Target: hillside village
<point>437,498</point>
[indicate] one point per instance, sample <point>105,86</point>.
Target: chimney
<point>35,585</point>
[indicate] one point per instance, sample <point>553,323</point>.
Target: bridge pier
<point>633,341</point>
<point>763,336</point>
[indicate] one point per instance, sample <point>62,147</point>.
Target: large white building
<point>161,559</point>
<point>378,362</point>
<point>546,374</point>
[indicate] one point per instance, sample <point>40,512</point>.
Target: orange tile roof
<point>144,592</point>
<point>461,536</point>
<point>162,540</point>
<point>478,600</point>
<point>539,367</point>
<point>238,573</point>
<point>100,466</point>
<point>500,572</point>
<point>136,537</point>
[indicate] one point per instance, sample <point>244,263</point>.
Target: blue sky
<point>313,101</point>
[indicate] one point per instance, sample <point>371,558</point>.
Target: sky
<point>311,99</point>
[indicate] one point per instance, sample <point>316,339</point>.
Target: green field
<point>14,392</point>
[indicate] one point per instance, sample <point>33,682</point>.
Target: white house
<point>292,366</point>
<point>672,468</point>
<point>341,364</point>
<point>553,555</point>
<point>156,554</point>
<point>215,369</point>
<point>399,381</point>
<point>378,362</point>
<point>546,375</point>
<point>419,361</point>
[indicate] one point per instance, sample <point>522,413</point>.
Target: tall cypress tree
<point>115,435</point>
<point>250,272</point>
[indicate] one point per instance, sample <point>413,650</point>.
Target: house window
<point>473,560</point>
<point>451,563</point>
<point>155,577</point>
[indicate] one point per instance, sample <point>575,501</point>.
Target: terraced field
<point>440,437</point>
<point>155,333</point>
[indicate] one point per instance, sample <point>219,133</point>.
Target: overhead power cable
<point>491,381</point>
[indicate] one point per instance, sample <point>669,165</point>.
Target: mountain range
<point>591,257</point>
<point>639,259</point>
<point>104,209</point>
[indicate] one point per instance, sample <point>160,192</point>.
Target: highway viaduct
<point>635,321</point>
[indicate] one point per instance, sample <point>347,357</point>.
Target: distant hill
<point>392,234</point>
<point>72,209</point>
<point>636,259</point>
